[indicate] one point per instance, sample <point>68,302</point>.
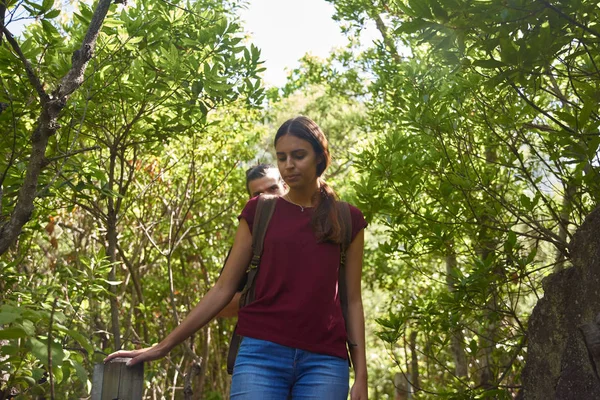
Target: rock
<point>559,364</point>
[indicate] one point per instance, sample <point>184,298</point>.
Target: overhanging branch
<point>35,81</point>
<point>47,124</point>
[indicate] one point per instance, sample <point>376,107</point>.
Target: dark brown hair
<point>325,218</point>
<point>256,172</point>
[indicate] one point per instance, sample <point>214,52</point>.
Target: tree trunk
<point>563,226</point>
<point>485,248</point>
<point>486,339</point>
<point>201,378</point>
<point>457,340</point>
<point>47,124</point>
<point>414,363</point>
<point>401,385</point>
<point>111,252</point>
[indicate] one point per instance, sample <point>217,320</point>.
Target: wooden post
<point>115,381</point>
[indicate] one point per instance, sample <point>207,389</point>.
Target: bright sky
<point>285,30</point>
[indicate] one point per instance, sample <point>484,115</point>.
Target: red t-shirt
<point>296,299</point>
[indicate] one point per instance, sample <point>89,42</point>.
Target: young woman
<point>294,342</point>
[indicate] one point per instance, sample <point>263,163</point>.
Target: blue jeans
<point>268,371</point>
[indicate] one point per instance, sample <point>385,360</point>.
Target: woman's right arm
<point>213,302</point>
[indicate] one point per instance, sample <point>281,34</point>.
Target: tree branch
<point>51,375</point>
<point>2,17</point>
<point>4,106</point>
<point>51,160</point>
<point>386,38</point>
<point>47,125</point>
<point>571,20</point>
<point>33,79</point>
<point>74,78</point>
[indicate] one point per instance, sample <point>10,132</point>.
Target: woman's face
<point>297,161</point>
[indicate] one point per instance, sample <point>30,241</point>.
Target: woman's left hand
<point>359,391</point>
<point>141,355</point>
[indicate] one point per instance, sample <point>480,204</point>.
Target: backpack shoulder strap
<point>262,217</point>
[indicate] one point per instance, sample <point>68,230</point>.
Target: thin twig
<point>571,20</point>
<point>52,159</point>
<point>35,81</point>
<point>51,375</point>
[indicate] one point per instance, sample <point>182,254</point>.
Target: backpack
<point>262,217</point>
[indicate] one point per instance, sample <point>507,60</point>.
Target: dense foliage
<point>468,135</point>
<point>483,161</point>
<point>138,195</point>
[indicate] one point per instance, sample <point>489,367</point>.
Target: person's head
<point>302,157</point>
<point>302,152</point>
<point>264,178</point>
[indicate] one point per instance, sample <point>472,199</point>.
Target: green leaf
<point>33,4</point>
<point>586,111</point>
<point>492,394</point>
<point>58,370</point>
<point>39,348</point>
<point>7,317</point>
<point>81,18</point>
<point>508,52</point>
<point>38,373</point>
<point>52,14</point>
<point>80,370</point>
<point>112,23</point>
<point>29,381</point>
<point>112,283</point>
<point>62,373</point>
<point>491,63</point>
<point>47,5</point>
<point>531,255</point>
<point>12,333</point>
<point>31,10</point>
<point>566,117</point>
<point>420,8</point>
<point>10,308</point>
<point>438,10</point>
<point>82,340</point>
<point>458,180</point>
<point>32,315</point>
<point>49,28</point>
<point>135,39</point>
<point>526,202</point>
<point>9,350</point>
<point>29,327</point>
<point>510,242</point>
<point>60,317</point>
